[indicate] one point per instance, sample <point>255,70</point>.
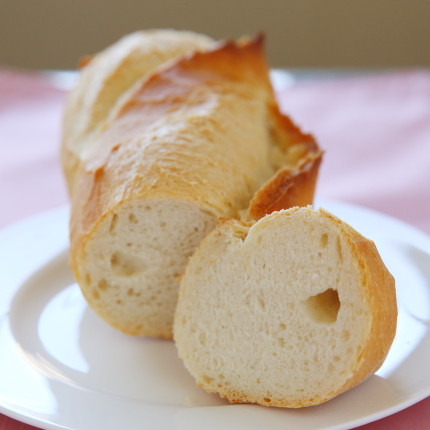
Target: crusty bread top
<point>289,311</point>
<point>186,132</point>
<point>108,75</point>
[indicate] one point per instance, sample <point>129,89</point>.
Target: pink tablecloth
<point>375,131</point>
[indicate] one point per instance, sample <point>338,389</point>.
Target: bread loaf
<point>152,169</point>
<point>289,311</point>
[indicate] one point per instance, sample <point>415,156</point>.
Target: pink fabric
<point>376,134</point>
<point>375,131</point>
<point>30,127</point>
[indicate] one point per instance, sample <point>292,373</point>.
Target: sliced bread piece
<point>290,311</point>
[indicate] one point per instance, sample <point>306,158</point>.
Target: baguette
<point>289,311</point>
<point>197,139</point>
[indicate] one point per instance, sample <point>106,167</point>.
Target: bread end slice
<point>290,311</point>
<point>129,266</point>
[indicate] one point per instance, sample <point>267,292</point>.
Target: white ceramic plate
<point>61,367</point>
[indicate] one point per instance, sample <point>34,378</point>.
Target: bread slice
<point>290,311</point>
<point>189,143</point>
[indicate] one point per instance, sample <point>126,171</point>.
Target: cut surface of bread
<point>193,140</point>
<point>131,268</point>
<point>290,311</point>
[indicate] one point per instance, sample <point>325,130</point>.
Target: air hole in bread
<point>324,307</point>
<point>113,224</point>
<point>132,218</point>
<point>262,304</point>
<point>207,379</point>
<point>346,335</point>
<point>126,265</point>
<point>359,353</point>
<point>132,293</point>
<point>339,249</point>
<point>282,326</point>
<point>202,338</point>
<point>267,400</point>
<point>248,300</point>
<point>281,342</point>
<point>103,285</point>
<point>324,240</point>
<point>96,294</point>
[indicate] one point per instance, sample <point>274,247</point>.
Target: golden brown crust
<point>108,75</point>
<point>288,188</point>
<point>239,397</point>
<point>288,134</point>
<point>294,183</point>
<point>227,67</point>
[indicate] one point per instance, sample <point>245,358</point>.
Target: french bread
<point>198,138</point>
<point>289,311</point>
